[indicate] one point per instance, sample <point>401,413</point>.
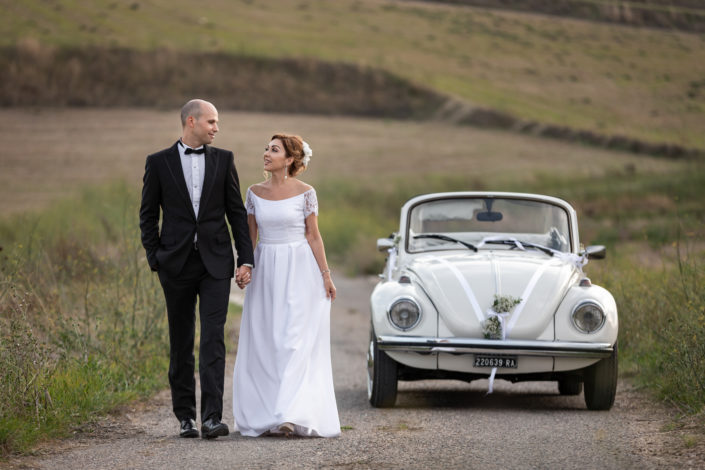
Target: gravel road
<point>435,424</point>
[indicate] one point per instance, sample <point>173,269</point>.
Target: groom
<point>195,187</point>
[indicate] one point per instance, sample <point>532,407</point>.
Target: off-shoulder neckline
<point>278,200</point>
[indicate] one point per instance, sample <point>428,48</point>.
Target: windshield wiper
<point>438,236</point>
<point>519,244</point>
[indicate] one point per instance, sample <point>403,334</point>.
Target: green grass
<point>82,319</point>
<point>644,83</point>
<point>82,322</point>
<point>662,326</point>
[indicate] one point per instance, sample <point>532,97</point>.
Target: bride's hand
<point>329,286</point>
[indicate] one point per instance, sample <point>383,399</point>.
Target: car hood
<point>463,286</point>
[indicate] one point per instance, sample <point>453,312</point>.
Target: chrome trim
<point>422,344</point>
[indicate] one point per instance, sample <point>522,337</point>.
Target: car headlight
<point>404,313</point>
<point>588,316</point>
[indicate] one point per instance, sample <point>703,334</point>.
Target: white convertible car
<point>491,285</point>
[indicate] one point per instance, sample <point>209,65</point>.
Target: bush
<point>662,328</point>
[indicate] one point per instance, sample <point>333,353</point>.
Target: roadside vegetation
<point>82,325</point>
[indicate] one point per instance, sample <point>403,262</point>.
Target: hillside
<point>602,79</point>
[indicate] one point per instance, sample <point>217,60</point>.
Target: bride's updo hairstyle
<point>294,147</point>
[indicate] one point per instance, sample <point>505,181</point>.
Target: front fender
<point>385,293</point>
<point>566,331</point>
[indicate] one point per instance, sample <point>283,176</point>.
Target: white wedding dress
<point>283,367</point>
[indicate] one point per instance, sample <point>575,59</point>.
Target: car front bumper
<point>426,345</point>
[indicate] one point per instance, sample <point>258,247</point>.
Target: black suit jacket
<point>165,188</point>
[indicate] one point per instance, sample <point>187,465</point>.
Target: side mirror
<point>384,244</point>
<point>596,252</point>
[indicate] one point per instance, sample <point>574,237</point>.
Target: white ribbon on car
<point>499,237</point>
<point>571,258</point>
<point>464,284</point>
<point>568,258</point>
<point>506,326</point>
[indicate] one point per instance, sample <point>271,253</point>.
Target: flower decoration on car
<point>493,327</point>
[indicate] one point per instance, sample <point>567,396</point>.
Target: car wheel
<point>570,386</point>
<point>601,383</point>
<point>381,376</point>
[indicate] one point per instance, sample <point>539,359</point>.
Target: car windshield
<point>444,224</point>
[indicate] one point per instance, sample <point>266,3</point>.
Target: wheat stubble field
<point>49,154</point>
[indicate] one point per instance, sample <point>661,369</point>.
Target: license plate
<point>509,362</point>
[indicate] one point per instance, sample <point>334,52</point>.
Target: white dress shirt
<point>194,167</point>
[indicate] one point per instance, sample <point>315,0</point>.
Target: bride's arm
<point>315,241</point>
<point>252,224</point>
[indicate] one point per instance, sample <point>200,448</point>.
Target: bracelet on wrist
<point>325,271</point>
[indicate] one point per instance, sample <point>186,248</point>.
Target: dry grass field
<point>640,82</point>
<point>49,154</point>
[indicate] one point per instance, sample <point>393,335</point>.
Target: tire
<point>570,386</point>
<point>381,376</point>
<point>601,383</point>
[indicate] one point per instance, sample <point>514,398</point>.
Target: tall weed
<point>662,325</point>
<point>82,324</point>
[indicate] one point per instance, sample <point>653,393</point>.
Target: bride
<point>283,380</point>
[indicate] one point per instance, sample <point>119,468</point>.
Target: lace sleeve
<point>310,203</point>
<point>249,203</point>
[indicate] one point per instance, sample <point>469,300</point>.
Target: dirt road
<point>434,425</point>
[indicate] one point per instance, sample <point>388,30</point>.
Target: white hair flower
<point>307,153</point>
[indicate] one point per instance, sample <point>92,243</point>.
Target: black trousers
<point>181,293</point>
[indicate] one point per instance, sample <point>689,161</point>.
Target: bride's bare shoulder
<point>303,187</point>
<point>259,189</point>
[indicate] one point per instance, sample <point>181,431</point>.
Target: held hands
<point>243,276</point>
<point>329,286</point>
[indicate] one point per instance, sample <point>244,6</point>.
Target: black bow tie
<point>190,150</point>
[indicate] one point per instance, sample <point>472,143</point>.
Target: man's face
<point>205,127</point>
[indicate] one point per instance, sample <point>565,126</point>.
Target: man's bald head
<point>194,108</point>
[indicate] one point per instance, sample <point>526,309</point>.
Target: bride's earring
<point>286,172</point>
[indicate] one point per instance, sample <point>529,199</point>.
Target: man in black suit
<point>196,187</point>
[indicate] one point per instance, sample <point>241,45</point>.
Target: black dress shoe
<point>212,428</point>
<point>188,428</point>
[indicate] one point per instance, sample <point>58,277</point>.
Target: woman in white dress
<point>283,380</point>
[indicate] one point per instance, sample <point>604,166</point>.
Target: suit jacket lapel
<point>209,177</point>
<point>173,162</point>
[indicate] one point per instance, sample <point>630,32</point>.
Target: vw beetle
<point>490,285</point>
